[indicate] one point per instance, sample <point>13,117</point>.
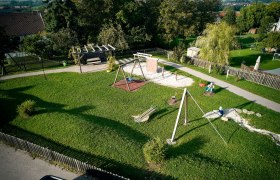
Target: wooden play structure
<point>145,116</point>
<point>128,79</point>
<point>184,100</point>
<point>92,53</point>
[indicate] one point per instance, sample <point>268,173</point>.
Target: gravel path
<point>75,68</point>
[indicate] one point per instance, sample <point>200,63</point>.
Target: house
<point>22,23</point>
<point>276,26</point>
<point>253,31</point>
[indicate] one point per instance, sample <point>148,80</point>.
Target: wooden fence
<point>266,79</point>
<point>57,157</point>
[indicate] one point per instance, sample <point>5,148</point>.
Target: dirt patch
<point>133,85</point>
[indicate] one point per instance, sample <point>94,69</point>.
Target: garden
<point>83,116</point>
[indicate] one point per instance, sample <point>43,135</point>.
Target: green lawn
<point>92,121</point>
<point>249,53</point>
<point>250,56</point>
<point>263,91</point>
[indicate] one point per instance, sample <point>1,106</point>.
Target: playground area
<point>162,77</point>
<point>96,123</point>
<point>136,72</point>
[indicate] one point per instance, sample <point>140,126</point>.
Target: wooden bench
<point>145,116</point>
<point>138,54</point>
<point>94,60</point>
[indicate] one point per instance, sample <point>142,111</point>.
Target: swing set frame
<point>134,61</point>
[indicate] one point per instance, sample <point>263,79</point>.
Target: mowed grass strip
<point>263,91</point>
<point>85,113</point>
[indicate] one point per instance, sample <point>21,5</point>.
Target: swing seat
<point>129,79</point>
<point>145,116</point>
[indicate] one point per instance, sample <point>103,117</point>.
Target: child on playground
<point>221,111</point>
<point>210,87</point>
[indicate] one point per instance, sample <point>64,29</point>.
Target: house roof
<point>21,24</point>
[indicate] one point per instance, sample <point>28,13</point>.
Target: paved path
<point>246,94</point>
<point>93,68</point>
<point>75,68</point>
<point>17,165</point>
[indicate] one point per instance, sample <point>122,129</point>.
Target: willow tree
<point>216,42</point>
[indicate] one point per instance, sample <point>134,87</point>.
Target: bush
<point>26,109</point>
<point>178,51</point>
<point>111,62</point>
<point>219,70</point>
<point>155,151</point>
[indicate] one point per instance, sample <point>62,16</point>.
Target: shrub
<point>26,108</point>
<point>111,62</point>
<point>154,151</point>
<point>178,51</point>
<point>219,70</point>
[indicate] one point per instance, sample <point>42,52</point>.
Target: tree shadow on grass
<point>197,119</point>
<point>17,96</point>
<point>195,128</point>
<point>9,100</point>
<point>111,165</point>
<point>219,89</point>
<point>191,150</point>
<point>163,112</point>
<point>232,134</point>
<point>190,147</point>
<point>241,106</point>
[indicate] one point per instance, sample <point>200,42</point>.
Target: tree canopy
<point>186,17</point>
<point>272,40</point>
<point>258,15</point>
<point>113,35</point>
<point>230,16</point>
<point>61,14</point>
<point>216,42</point>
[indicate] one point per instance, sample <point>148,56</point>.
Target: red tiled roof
<point>20,24</point>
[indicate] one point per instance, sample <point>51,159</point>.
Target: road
<point>19,165</point>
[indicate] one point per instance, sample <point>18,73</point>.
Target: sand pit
<point>234,114</point>
<point>169,79</point>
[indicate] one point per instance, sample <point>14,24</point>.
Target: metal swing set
<point>127,80</point>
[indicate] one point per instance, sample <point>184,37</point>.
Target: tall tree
<point>272,40</point>
<point>93,14</point>
<point>273,10</point>
<point>216,42</point>
<point>135,20</point>
<point>62,41</point>
<point>230,16</point>
<point>185,17</point>
<point>61,14</point>
<point>38,44</point>
<point>266,24</point>
<point>251,16</point>
<point>113,35</point>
